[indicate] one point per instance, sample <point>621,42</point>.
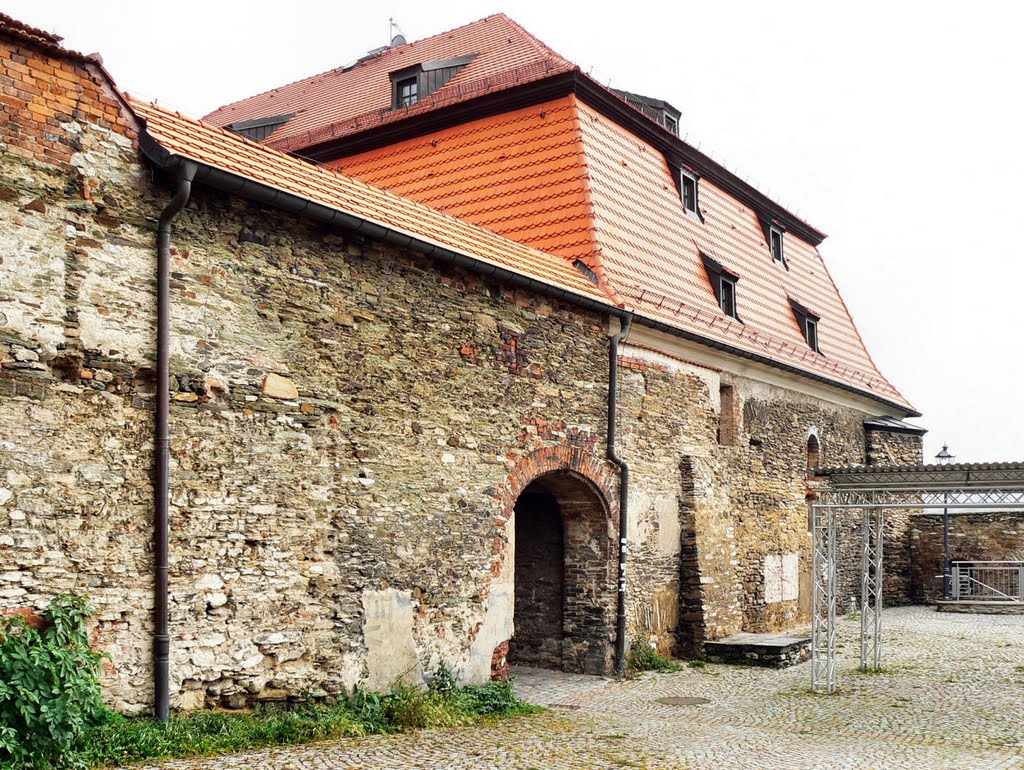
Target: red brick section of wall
<point>43,88</point>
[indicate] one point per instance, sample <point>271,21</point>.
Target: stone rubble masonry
<point>982,536</point>
<point>351,425</point>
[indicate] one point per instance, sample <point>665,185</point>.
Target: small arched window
<point>813,453</point>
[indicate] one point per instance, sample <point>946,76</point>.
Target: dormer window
<point>412,84</point>
<point>723,282</point>
<point>672,124</point>
<point>775,241</point>
<point>727,296</point>
<point>260,128</point>
<point>807,320</point>
<point>811,333</point>
<point>688,191</point>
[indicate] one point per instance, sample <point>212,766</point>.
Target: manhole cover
<point>682,701</point>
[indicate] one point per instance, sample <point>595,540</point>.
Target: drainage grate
<point>683,701</point>
<point>570,706</point>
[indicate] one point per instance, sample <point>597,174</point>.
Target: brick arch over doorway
<point>563,531</point>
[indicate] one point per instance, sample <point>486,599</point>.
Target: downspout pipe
<point>184,172</point>
<point>613,392</point>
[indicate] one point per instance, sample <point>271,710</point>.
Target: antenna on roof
<point>396,40</point>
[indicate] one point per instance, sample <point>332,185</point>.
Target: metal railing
<point>988,581</point>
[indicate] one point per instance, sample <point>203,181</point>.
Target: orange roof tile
<point>224,150</point>
<point>349,99</point>
<point>519,174</point>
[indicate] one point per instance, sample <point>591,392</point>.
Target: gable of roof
<point>353,98</point>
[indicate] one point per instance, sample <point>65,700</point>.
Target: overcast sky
<point>897,128</point>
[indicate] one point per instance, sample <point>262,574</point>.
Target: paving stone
<point>951,695</point>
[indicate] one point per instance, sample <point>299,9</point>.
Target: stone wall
<point>891,448</point>
<point>352,426</point>
<point>989,536</point>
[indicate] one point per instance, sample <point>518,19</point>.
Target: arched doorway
<point>564,576</point>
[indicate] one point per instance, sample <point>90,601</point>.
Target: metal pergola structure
<point>873,490</point>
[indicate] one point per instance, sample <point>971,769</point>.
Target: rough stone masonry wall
<point>719,532</point>
<point>989,536</point>
<point>890,448</point>
<point>345,418</point>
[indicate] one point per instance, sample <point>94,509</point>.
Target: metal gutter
<point>613,390</point>
<point>161,531</point>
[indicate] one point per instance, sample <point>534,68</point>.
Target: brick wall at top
<point>44,97</point>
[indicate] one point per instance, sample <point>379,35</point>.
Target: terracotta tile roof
<point>651,252</point>
<point>224,150</point>
<point>349,99</point>
<point>568,180</point>
<point>40,38</point>
<point>520,174</point>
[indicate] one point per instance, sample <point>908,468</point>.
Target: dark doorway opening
<point>565,561</point>
<point>540,581</point>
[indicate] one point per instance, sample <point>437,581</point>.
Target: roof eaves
<point>892,425</point>
<point>269,194</point>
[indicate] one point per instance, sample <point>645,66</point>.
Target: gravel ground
<point>951,696</point>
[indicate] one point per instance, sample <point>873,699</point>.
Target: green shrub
<point>49,686</point>
<point>643,657</point>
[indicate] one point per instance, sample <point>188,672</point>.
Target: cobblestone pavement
<point>951,696</point>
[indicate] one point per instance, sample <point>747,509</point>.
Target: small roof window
<point>723,283</point>
<point>807,320</point>
<point>776,243</point>
<point>688,191</point>
<point>412,84</point>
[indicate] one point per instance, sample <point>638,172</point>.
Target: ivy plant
<point>49,685</point>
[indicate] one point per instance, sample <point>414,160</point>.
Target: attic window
<point>412,84</point>
<point>688,191</point>
<point>727,296</point>
<point>672,124</point>
<point>807,320</point>
<point>260,128</point>
<point>775,241</point>
<point>407,92</point>
<point>811,333</point>
<point>723,282</point>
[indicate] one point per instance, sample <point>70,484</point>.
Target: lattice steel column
<point>823,628</point>
<point>871,588</point>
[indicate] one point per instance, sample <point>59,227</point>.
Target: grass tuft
<point>209,733</point>
<point>643,657</point>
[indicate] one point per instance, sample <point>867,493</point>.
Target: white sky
<point>895,127</point>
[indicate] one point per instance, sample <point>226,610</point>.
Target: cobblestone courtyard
<point>952,696</point>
